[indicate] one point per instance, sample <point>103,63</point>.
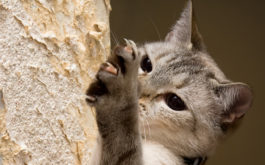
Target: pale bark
<point>49,53</point>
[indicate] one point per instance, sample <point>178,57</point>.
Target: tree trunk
<point>49,52</point>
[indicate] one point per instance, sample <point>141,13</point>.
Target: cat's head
<point>187,103</point>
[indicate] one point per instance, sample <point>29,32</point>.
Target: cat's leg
<point>115,96</point>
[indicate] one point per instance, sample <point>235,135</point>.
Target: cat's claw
<point>110,68</point>
<point>131,47</point>
<point>131,44</point>
<point>90,99</point>
<point>126,41</point>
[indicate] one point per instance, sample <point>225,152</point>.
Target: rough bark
<point>49,53</point>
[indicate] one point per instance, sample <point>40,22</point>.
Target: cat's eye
<point>146,64</point>
<point>174,102</point>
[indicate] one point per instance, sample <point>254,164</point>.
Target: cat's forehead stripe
<point>161,56</point>
<point>165,54</point>
<point>190,66</point>
<point>183,81</point>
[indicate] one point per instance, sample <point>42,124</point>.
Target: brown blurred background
<point>234,32</point>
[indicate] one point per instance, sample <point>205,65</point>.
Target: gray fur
<point>181,65</point>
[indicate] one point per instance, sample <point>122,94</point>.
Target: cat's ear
<point>236,99</point>
<point>185,31</point>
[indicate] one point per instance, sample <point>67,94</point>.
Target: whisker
<point>156,29</point>
<point>148,125</point>
<point>114,37</point>
<point>144,130</point>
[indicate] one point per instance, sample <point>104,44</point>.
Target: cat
<point>164,102</point>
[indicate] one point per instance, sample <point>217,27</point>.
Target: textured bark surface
<point>49,53</point>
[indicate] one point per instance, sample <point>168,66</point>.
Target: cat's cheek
<point>179,118</point>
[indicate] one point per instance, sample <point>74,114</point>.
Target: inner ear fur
<point>236,99</point>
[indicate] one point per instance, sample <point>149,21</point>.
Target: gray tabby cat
<point>174,111</point>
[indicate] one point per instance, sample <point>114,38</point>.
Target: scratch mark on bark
<point>74,146</point>
<point>2,103</point>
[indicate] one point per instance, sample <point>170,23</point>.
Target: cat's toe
<point>126,58</point>
<point>126,53</point>
<point>90,99</point>
<point>132,46</point>
<point>94,91</point>
<point>109,68</point>
<point>108,73</point>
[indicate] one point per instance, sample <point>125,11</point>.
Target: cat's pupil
<point>146,64</point>
<point>174,102</point>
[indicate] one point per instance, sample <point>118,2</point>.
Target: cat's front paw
<point>117,77</point>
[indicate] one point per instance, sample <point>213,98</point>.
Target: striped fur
<point>180,65</point>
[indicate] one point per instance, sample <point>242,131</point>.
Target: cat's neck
<point>162,142</point>
<point>154,153</point>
